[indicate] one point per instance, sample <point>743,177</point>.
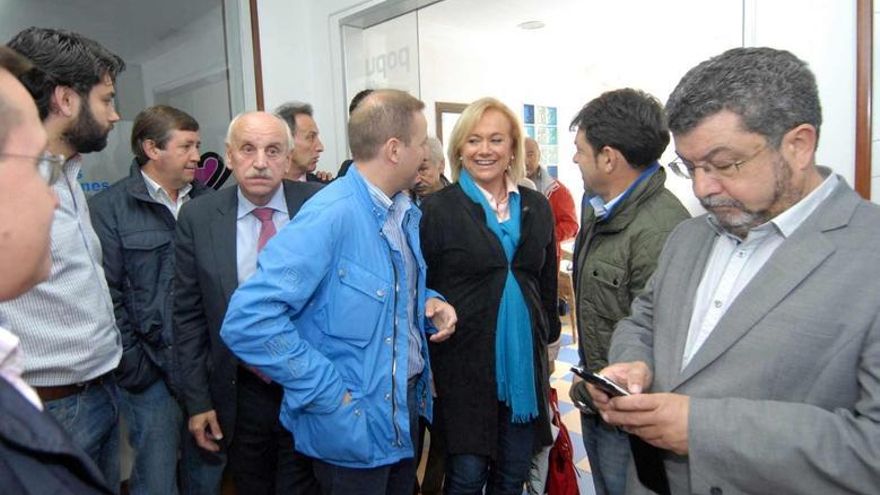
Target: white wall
<point>823,33</point>
<point>298,39</point>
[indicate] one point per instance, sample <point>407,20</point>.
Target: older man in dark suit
<point>230,405</point>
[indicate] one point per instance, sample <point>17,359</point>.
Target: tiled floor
<point>561,381</point>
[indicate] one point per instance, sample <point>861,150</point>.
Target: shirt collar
<point>789,220</point>
<point>603,209</point>
<point>10,357</point>
<point>508,183</point>
<point>381,200</point>
<point>155,190</point>
<point>277,203</point>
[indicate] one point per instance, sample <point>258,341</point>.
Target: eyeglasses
<point>686,169</point>
<point>49,166</point>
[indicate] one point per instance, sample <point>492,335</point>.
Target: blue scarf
<point>514,363</point>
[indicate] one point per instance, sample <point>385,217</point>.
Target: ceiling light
<point>530,25</point>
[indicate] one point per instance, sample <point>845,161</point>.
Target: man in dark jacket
<point>135,219</point>
<point>36,455</point>
<point>231,408</point>
<point>620,136</point>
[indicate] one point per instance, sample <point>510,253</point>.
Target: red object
<point>564,216</point>
<point>562,474</point>
<point>267,228</point>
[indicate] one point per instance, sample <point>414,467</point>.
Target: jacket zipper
<point>397,440</point>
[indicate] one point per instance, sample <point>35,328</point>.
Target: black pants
<point>392,479</point>
<point>262,456</point>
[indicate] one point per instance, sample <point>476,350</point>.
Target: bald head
<point>382,115</point>
<point>262,119</point>
<point>258,151</point>
<point>533,157</point>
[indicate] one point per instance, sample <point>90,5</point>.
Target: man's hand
<point>659,419</point>
<point>323,175</point>
<point>635,377</point>
<point>206,430</point>
<point>580,396</point>
<point>443,316</point>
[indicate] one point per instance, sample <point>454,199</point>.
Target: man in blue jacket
<point>337,311</point>
<point>135,219</point>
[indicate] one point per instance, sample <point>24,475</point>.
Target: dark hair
<point>628,120</point>
<point>10,116</point>
<point>384,114</point>
<point>356,100</point>
<point>289,111</point>
<point>63,58</point>
<point>156,123</point>
<point>771,90</point>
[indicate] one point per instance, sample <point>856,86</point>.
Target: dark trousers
<point>468,474</point>
<point>393,479</point>
<point>262,456</point>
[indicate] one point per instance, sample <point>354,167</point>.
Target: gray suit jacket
<point>785,393</point>
<point>207,275</point>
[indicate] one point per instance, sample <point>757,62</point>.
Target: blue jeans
<point>394,479</point>
<point>609,453</point>
<point>201,472</point>
<point>467,474</point>
<point>154,419</point>
<point>91,418</point>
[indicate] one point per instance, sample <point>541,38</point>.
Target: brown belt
<point>61,391</point>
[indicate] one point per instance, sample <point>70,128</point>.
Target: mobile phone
<point>602,383</point>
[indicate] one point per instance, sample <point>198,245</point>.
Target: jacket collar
<point>137,187</point>
<point>626,210</point>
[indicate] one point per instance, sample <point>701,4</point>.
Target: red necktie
<point>267,230</point>
<point>267,227</point>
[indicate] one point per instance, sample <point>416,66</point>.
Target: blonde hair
<point>466,123</point>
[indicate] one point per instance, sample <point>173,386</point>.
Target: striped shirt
<point>393,232</point>
<point>66,324</point>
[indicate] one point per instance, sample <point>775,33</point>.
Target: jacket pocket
<point>342,435</point>
<point>609,284</point>
<point>358,305</point>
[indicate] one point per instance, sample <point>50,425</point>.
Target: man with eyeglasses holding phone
<point>753,354</point>
<point>66,324</point>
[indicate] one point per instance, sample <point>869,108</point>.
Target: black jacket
<point>37,456</point>
<point>137,240</point>
<point>467,265</point>
<point>207,275</point>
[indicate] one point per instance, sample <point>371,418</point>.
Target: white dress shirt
<point>734,262</point>
<point>247,231</point>
<point>161,196</point>
<point>12,365</point>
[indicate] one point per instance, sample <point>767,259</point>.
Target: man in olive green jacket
<point>620,136</point>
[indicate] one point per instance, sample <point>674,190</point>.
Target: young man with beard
<point>135,219</point>
<point>752,353</point>
<point>36,455</point>
<point>66,324</point>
